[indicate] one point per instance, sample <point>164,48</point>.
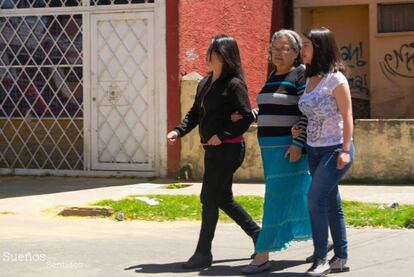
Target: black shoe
<point>198,260</point>
<point>253,269</point>
<point>330,248</point>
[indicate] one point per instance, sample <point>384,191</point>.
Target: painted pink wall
<point>248,21</point>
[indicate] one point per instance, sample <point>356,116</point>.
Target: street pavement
<point>36,242</point>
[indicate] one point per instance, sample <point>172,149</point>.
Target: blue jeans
<point>324,201</point>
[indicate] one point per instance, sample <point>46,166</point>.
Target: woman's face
<point>215,63</point>
<point>283,55</point>
<point>307,50</point>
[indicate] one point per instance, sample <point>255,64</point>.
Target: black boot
<point>255,237</point>
<point>198,260</point>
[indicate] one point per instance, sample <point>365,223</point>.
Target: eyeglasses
<point>283,50</point>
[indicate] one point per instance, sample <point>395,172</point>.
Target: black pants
<point>220,163</point>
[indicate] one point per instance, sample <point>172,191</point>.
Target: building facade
<point>91,87</point>
<point>376,40</point>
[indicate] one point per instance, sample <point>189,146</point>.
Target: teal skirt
<point>285,214</point>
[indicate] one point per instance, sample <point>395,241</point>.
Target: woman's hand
<point>214,140</point>
<point>294,153</point>
<point>343,159</point>
<point>236,117</point>
<point>296,131</point>
<point>172,137</point>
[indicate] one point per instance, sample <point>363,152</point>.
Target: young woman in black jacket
<point>222,92</point>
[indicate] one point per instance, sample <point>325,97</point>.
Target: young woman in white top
<point>327,104</point>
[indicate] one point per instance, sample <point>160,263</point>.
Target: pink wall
<point>248,21</point>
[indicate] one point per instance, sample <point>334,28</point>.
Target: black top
<point>212,108</point>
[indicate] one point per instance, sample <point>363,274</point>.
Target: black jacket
<point>213,107</point>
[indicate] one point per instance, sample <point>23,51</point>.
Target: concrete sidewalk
<point>31,195</point>
<point>51,247</point>
<point>34,243</point>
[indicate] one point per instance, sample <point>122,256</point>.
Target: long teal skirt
<point>285,215</point>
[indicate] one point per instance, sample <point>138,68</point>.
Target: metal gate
<point>77,86</point>
<point>122,91</point>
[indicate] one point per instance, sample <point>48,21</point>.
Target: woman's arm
<point>240,99</point>
<point>342,95</point>
<point>299,139</point>
<point>236,116</point>
<point>189,122</point>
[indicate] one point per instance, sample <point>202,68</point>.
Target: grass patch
<point>175,207</point>
<point>378,215</point>
<point>177,186</point>
<point>188,207</point>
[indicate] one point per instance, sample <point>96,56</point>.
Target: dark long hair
<point>226,47</point>
<point>326,56</point>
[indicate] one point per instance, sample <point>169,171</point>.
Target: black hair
<point>226,47</point>
<point>326,56</point>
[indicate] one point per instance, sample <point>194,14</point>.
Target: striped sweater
<point>278,105</point>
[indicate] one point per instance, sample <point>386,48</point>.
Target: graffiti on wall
<point>353,55</point>
<point>399,62</point>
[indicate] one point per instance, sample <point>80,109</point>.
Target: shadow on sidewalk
<point>219,270</point>
<point>17,186</point>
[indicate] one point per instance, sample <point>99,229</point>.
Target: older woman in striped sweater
<point>287,177</point>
